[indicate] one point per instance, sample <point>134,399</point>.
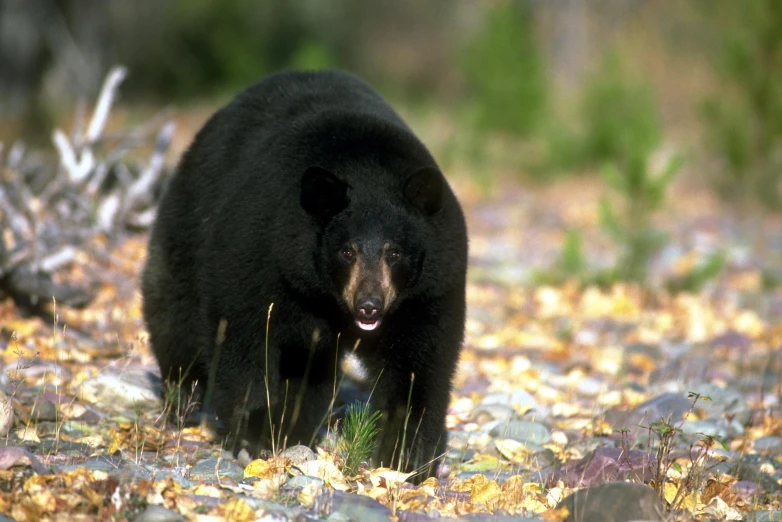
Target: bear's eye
<point>394,255</point>
<point>348,254</point>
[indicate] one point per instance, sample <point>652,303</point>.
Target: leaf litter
<point>560,388</point>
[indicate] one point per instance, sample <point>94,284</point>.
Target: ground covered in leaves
<point>570,403</point>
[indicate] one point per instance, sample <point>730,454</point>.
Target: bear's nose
<point>369,308</point>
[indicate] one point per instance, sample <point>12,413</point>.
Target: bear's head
<point>372,243</point>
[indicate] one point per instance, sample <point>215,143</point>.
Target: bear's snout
<point>369,311</point>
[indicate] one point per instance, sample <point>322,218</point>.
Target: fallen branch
<point>50,214</point>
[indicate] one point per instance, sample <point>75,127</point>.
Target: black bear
<point>308,194</point>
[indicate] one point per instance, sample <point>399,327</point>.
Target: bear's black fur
<point>309,192</point>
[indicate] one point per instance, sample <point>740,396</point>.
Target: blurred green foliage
<point>617,120</point>
<point>504,70</point>
<point>187,48</point>
<point>199,46</point>
<point>744,119</point>
<point>628,219</point>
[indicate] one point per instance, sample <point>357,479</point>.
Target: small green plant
<point>628,222</point>
<point>692,478</point>
<point>571,263</point>
<point>504,71</point>
<point>620,118</point>
<point>698,276</point>
<point>359,436</point>
<point>743,121</point>
<point>616,119</point>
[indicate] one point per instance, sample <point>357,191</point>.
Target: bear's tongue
<point>369,325</point>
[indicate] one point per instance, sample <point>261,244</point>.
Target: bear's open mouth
<point>368,325</point>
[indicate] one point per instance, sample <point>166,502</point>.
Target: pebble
<point>6,414</point>
<point>205,470</point>
<point>724,402</point>
<point>158,514</point>
<point>342,506</point>
<point>749,468</point>
<point>768,443</point>
<point>484,413</point>
<point>483,517</point>
<point>44,411</point>
<point>705,428</point>
<point>528,432</point>
<point>108,463</point>
<point>74,449</point>
<point>614,502</point>
<point>119,393</point>
<point>669,407</point>
<point>517,399</point>
<point>302,481</point>
<point>299,454</point>
<point>589,386</point>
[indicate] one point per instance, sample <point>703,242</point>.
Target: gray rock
<point>764,516</point>
<point>749,468</point>
<point>543,459</point>
<point>45,411</point>
<point>768,443</point>
<point>75,449</point>
<point>484,517</point>
<point>159,514</point>
<point>6,414</point>
<point>108,463</point>
<point>342,506</point>
<point>669,407</point>
<point>528,432</point>
<point>724,402</point>
<point>299,454</point>
<point>614,502</point>
<point>515,399</point>
<point>205,470</point>
<point>589,386</point>
<point>176,474</point>
<point>244,458</point>
<point>484,413</point>
<point>302,481</point>
<point>119,393</point>
<point>707,427</point>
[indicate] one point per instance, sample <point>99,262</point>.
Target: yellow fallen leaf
<point>327,471</point>
<point>116,442</point>
<point>430,486</point>
<point>532,503</point>
<point>687,500</point>
<point>258,468</point>
<point>513,450</point>
<point>669,491</point>
<point>27,434</point>
<point>377,493</point>
<point>387,478</point>
<point>72,410</point>
<point>556,515</point>
<point>267,488</point>
<point>207,490</point>
<point>237,510</point>
<point>308,493</point>
<point>485,493</point>
<point>718,509</point>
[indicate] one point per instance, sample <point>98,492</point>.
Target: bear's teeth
<point>368,326</point>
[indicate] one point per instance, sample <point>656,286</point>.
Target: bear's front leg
<point>413,392</point>
<point>412,432</point>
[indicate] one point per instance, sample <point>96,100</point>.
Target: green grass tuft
<point>359,436</point>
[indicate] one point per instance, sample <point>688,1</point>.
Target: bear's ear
<point>323,194</point>
<point>424,189</point>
